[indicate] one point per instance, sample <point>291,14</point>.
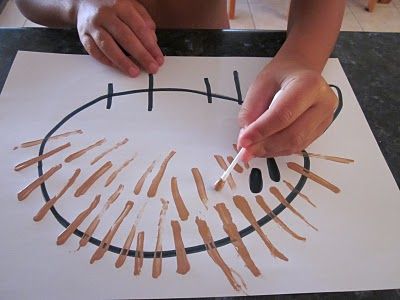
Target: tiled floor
<point>272,15</point>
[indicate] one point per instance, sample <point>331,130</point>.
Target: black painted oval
<point>255,181</point>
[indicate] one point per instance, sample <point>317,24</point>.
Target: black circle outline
<point>189,250</point>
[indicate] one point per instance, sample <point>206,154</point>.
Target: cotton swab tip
<point>219,185</point>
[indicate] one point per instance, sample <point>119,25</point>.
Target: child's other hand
<point>300,113</point>
<point>108,27</point>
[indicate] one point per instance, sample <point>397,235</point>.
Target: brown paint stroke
<point>182,261</point>
<point>24,193</point>
<point>242,204</point>
<point>64,236</point>
<point>93,225</point>
<point>246,164</point>
<point>36,159</point>
<point>157,260</point>
<point>49,204</point>
<point>114,174</point>
<point>212,251</point>
<point>116,146</point>
<point>139,184</point>
<point>201,190</point>
<point>128,242</point>
<point>221,162</point>
<point>157,179</point>
<point>231,230</point>
<point>105,243</point>
<point>139,256</point>
<point>92,179</point>
<point>238,168</point>
<point>180,205</point>
<point>293,189</point>
<point>314,177</point>
<point>38,142</point>
<point>275,191</point>
<point>261,202</point>
<point>83,151</point>
<point>337,159</point>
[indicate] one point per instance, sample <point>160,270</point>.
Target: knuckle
<point>285,116</point>
<point>243,117</point>
<point>298,142</point>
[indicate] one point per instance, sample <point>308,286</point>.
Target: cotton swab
<point>221,181</point>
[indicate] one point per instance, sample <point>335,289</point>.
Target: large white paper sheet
<point>356,246</point>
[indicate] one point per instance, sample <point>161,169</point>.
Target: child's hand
<point>300,113</point>
<point>106,28</point>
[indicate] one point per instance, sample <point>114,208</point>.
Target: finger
<point>294,99</point>
<point>257,100</point>
<point>90,45</point>
<point>145,34</point>
<point>297,136</point>
<point>128,41</point>
<point>145,15</point>
<point>113,52</point>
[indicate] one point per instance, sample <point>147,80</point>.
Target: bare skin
<point>302,110</point>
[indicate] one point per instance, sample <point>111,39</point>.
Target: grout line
<point>355,17</point>
<point>251,14</point>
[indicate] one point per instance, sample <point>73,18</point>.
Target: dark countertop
<point>371,62</point>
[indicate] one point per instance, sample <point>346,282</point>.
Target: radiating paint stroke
<point>337,159</point>
<point>84,187</point>
<point>212,251</point>
<point>49,204</point>
<point>142,179</point>
<point>83,151</point>
<point>201,190</point>
<point>242,204</point>
<point>314,177</point>
<point>179,203</point>
<point>25,192</point>
<point>238,168</point>
<point>246,164</point>
<point>275,191</point>
<point>182,261</point>
<point>116,146</point>
<point>39,141</point>
<point>157,260</point>
<point>128,242</point>
<point>106,242</point>
<point>157,179</point>
<point>64,236</point>
<point>292,188</point>
<point>231,230</point>
<point>261,202</point>
<point>221,162</point>
<point>114,174</point>
<point>93,225</point>
<point>139,256</point>
<point>36,159</point>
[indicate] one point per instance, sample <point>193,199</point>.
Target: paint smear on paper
<point>38,142</point>
<point>275,191</point>
<point>49,204</point>
<point>83,151</point>
<point>157,260</point>
<point>293,189</point>
<point>64,236</point>
<point>183,265</point>
<point>24,193</point>
<point>36,159</point>
<point>180,205</point>
<point>260,200</point>
<point>221,162</point>
<point>92,179</point>
<point>139,184</point>
<point>139,256</point>
<point>330,158</point>
<point>116,146</point>
<point>238,168</point>
<point>114,174</point>
<point>157,179</point>
<point>231,230</point>
<point>242,204</point>
<point>201,190</point>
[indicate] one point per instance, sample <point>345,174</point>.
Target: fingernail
<point>247,156</point>
<point>133,71</point>
<point>160,60</point>
<point>245,143</point>
<point>153,68</point>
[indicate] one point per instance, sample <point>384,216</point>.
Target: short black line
<point>150,93</point>
<point>237,85</point>
<point>109,95</point>
<point>208,87</point>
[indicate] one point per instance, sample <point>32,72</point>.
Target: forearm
<point>60,13</point>
<point>313,28</point>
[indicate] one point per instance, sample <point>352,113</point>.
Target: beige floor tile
<point>350,23</point>
<point>243,18</point>
<point>270,14</point>
<point>11,16</point>
<point>385,17</point>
